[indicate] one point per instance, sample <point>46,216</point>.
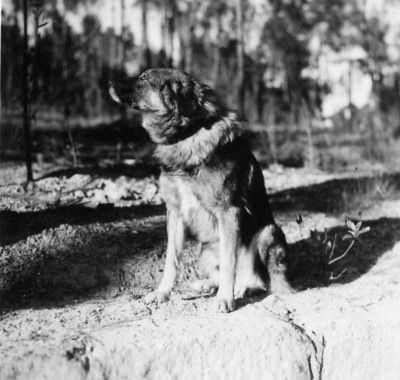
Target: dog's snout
<point>113,93</point>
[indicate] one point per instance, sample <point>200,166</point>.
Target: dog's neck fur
<point>196,149</point>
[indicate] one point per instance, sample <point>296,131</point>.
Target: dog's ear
<point>176,98</point>
<point>170,93</point>
<point>208,99</point>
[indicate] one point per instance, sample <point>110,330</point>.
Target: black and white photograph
<point>200,189</point>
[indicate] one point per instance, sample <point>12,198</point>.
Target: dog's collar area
<point>191,128</point>
<point>210,121</point>
<point>187,155</point>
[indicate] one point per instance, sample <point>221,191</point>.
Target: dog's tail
<point>273,254</point>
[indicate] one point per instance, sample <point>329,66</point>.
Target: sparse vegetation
<point>82,243</point>
<point>361,194</point>
<point>353,233</point>
<point>328,249</point>
<point>278,94</point>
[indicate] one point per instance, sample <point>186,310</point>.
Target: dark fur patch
<point>198,148</point>
<point>207,164</point>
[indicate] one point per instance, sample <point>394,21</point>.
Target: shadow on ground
<point>337,195</point>
<point>308,260</point>
<point>15,226</point>
<point>132,261</point>
<point>78,267</point>
<point>117,251</point>
<point>136,171</point>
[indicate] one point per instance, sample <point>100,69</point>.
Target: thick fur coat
<point>213,188</point>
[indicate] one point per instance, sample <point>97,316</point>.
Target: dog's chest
<point>180,194</point>
<point>189,202</point>
<point>186,198</point>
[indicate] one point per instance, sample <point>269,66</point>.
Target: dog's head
<point>173,104</point>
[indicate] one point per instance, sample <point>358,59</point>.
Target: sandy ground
<point>73,274</point>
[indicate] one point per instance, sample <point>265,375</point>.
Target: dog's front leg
<point>228,226</point>
<point>176,239</point>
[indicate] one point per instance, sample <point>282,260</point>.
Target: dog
<point>212,185</point>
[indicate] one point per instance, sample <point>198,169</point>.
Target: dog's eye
<point>142,76</point>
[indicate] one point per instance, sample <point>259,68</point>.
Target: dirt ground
<point>78,250</point>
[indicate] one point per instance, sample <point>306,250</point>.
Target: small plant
<point>299,221</point>
<point>353,233</point>
<point>328,255</point>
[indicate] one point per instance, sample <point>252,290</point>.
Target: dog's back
<point>212,185</point>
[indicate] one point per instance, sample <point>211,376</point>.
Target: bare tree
<point>186,24</point>
<point>170,14</point>
<point>123,32</point>
<point>91,64</point>
<point>25,96</point>
<point>240,57</point>
<point>306,120</point>
<point>271,128</point>
<point>145,37</point>
<point>217,51</point>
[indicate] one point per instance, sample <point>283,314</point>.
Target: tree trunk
<point>307,121</point>
<point>162,55</point>
<point>240,57</point>
<point>217,52</point>
<point>182,28</point>
<point>123,33</point>
<point>146,59</point>
<point>25,95</point>
<point>190,47</point>
<point>186,22</point>
<point>171,15</point>
<point>260,97</point>
<point>271,127</point>
<point>9,80</point>
<point>35,60</point>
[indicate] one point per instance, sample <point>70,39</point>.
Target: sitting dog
<point>212,185</point>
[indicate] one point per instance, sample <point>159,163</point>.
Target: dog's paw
<point>284,290</point>
<point>281,287</point>
<point>223,305</point>
<point>249,286</point>
<point>249,291</point>
<point>240,291</point>
<point>156,297</point>
<point>203,286</point>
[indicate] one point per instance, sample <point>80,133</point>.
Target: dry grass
<point>363,194</point>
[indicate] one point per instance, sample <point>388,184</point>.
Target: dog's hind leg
<point>208,266</point>
<point>248,282</point>
<point>272,249</point>
<point>176,239</point>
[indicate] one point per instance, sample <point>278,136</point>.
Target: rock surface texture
<point>340,332</point>
<point>72,305</point>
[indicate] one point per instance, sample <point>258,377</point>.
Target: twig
<point>330,262</point>
<point>332,277</point>
<point>333,247</point>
